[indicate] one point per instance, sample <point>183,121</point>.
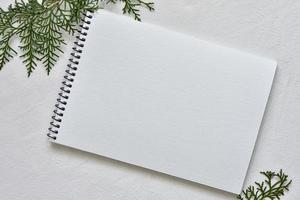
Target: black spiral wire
<point>70,73</point>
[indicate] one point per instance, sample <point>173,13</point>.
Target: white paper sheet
<point>167,102</point>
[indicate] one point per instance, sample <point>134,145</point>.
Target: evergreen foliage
<point>272,188</point>
<point>40,26</point>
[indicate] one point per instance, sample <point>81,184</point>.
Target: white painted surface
<point>31,168</point>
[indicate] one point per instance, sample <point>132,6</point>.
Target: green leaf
<point>51,38</point>
<point>6,52</point>
<point>41,26</point>
<point>29,45</point>
<point>273,187</point>
<point>132,7</point>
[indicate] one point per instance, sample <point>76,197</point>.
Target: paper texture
<point>167,102</point>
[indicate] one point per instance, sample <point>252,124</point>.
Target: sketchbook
<point>162,100</point>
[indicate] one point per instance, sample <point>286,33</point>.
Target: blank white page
<point>167,102</point>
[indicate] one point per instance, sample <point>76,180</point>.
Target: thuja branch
<point>40,27</point>
<point>132,7</point>
<point>273,187</point>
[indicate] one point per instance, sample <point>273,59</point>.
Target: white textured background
<point>31,168</point>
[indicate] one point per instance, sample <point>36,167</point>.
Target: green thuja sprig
<point>273,187</point>
<point>41,27</point>
<point>132,7</point>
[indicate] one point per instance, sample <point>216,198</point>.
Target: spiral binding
<point>70,73</point>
